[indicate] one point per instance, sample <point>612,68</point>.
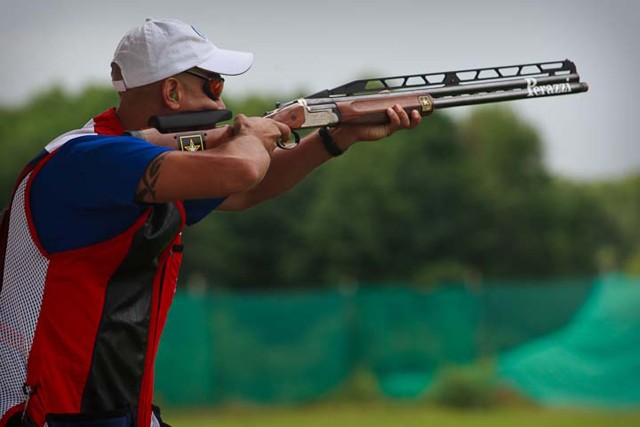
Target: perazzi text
<point>554,89</point>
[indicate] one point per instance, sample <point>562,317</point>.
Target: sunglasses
<point>212,86</point>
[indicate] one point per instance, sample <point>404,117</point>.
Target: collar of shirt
<point>108,123</point>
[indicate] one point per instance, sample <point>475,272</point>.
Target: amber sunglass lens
<point>215,87</point>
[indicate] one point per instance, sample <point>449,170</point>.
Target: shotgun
<point>364,102</point>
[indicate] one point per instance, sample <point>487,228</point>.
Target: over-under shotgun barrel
<point>365,101</point>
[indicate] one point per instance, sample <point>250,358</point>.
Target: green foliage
<point>534,226</point>
<point>450,200</point>
<point>466,387</point>
<point>24,131</point>
<point>620,200</point>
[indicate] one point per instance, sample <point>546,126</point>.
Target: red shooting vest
<point>79,330</point>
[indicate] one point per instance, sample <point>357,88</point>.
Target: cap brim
<point>228,62</point>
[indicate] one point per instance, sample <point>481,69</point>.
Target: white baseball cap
<point>161,48</point>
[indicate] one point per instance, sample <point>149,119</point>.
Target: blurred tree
<point>377,214</point>
<point>533,226</point>
<point>25,130</point>
<point>621,200</point>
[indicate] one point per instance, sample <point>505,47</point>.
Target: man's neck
<point>133,118</point>
<point>134,110</point>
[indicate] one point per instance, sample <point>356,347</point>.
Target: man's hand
<point>345,136</point>
<point>236,161</point>
<point>267,130</point>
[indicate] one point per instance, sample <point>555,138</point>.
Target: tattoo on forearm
<point>150,179</point>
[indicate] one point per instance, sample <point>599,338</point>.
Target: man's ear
<point>172,93</point>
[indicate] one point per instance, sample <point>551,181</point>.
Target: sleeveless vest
<point>79,329</point>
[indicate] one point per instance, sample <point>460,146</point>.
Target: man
<point>91,242</point>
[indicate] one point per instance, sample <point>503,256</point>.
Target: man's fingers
<point>394,119</point>
<point>399,119</point>
<point>268,130</point>
<point>402,114</point>
<point>285,131</point>
<point>416,118</point>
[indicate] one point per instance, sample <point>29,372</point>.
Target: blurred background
<point>483,268</point>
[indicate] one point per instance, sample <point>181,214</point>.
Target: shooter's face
<point>202,91</point>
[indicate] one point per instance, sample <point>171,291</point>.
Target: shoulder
<point>84,192</point>
<point>96,170</point>
<point>93,145</point>
<point>97,155</point>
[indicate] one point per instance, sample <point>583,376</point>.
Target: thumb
<point>219,135</point>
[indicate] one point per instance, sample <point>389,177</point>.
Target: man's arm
<point>228,168</point>
<point>288,167</point>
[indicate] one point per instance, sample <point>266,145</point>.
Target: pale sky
<point>314,45</point>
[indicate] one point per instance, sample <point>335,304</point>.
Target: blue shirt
<point>85,193</point>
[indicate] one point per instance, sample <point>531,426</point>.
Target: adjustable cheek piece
<point>189,128</point>
<point>187,124</point>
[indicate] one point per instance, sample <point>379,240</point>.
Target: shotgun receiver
<point>364,102</point>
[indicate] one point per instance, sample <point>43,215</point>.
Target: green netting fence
<point>594,360</point>
<point>282,347</point>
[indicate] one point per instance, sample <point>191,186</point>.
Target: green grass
<point>391,415</point>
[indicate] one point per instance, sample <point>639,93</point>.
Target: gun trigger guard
<point>288,145</point>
